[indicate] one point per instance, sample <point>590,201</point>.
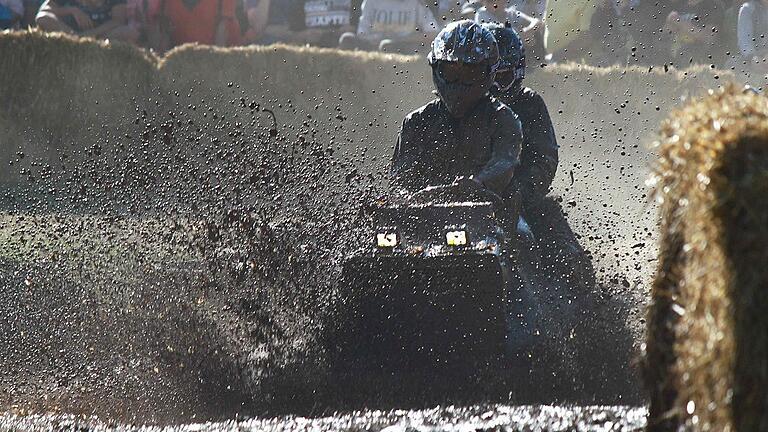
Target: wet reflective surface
<point>478,418</point>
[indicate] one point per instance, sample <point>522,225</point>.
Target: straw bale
<point>372,91</point>
<point>63,91</point>
<point>45,75</point>
<point>707,350</point>
<point>376,90</point>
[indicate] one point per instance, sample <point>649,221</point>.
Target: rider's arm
<point>507,142</point>
<point>539,160</point>
<point>523,21</point>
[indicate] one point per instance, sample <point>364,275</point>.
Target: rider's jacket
<point>433,148</point>
<point>539,156</point>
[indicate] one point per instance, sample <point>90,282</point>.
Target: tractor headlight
<point>456,238</point>
<point>386,239</point>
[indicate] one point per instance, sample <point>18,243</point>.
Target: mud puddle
<point>476,418</point>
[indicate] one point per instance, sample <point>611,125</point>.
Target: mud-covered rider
<point>465,133</point>
<point>538,162</point>
<point>467,136</point>
<point>539,154</point>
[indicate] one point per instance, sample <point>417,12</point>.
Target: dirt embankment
<point>201,279</point>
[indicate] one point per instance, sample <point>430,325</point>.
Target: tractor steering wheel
<point>463,190</point>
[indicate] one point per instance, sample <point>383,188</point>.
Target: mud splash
<point>174,248</point>
<point>185,266</point>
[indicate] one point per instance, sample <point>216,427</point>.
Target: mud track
<point>475,418</point>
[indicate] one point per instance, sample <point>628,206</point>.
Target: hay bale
<point>51,82</point>
<point>46,75</point>
<point>707,352</point>
<point>374,91</point>
<point>58,90</point>
<point>360,97</point>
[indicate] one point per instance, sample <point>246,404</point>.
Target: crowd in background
<point>723,33</point>
<point>720,32</point>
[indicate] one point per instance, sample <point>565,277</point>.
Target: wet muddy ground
<point>495,418</point>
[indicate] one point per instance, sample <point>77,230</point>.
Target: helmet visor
<point>463,73</point>
<point>505,78</point>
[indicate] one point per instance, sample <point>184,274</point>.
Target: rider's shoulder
<point>426,111</point>
<point>526,101</point>
<point>531,95</point>
<point>502,110</point>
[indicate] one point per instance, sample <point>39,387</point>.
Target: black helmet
<point>464,59</point>
<point>511,50</point>
<point>467,42</point>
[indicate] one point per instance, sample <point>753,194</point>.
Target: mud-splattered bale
<point>62,89</point>
<point>58,90</point>
<point>56,79</point>
<point>360,97</point>
<point>707,351</point>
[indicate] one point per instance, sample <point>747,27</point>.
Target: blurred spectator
<point>530,28</point>
<point>31,8</point>
<point>256,18</point>
<point>695,26</point>
<point>139,12</point>
<point>11,14</point>
<point>752,28</point>
<point>208,22</point>
<point>613,37</point>
<point>276,25</point>
<point>404,26</point>
<point>104,19</point>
